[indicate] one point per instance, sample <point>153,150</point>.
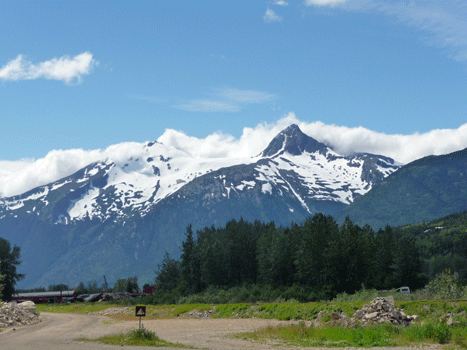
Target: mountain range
<point>118,218</point>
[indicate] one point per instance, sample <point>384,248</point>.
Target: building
<point>45,297</point>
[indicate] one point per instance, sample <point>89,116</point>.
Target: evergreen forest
<point>319,257</point>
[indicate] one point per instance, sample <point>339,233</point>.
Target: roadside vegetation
<point>136,337</point>
<point>376,336</point>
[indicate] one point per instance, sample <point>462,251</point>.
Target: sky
<point>221,78</point>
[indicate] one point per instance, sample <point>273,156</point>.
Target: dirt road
<point>59,331</point>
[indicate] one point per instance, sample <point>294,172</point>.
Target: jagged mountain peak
<point>293,141</point>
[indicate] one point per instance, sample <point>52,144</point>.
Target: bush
<point>138,335</point>
<point>441,333</point>
<point>444,287</point>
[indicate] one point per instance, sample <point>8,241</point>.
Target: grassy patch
<point>303,311</point>
<point>376,336</point>
<point>429,311</point>
<point>233,311</point>
<point>137,337</point>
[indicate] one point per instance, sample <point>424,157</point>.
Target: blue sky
<point>89,74</point>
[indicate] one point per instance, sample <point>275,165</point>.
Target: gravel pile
<point>382,310</point>
<point>23,314</point>
<point>379,310</point>
<point>115,311</point>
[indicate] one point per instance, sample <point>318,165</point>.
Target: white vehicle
<point>405,290</point>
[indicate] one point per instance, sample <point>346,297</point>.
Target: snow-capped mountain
<point>116,215</point>
<point>292,163</point>
<point>116,189</point>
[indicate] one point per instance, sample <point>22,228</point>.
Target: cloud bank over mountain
<point>17,177</point>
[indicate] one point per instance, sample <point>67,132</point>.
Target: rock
<point>371,315</point>
<point>451,322</point>
<point>359,314</point>
<point>204,314</point>
<point>12,314</point>
<point>390,301</point>
<point>335,316</point>
<point>381,310</point>
<point>29,306</point>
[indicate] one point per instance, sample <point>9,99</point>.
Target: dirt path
<point>58,331</point>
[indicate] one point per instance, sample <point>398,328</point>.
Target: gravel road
<point>59,331</point>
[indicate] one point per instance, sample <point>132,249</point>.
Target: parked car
<point>405,290</point>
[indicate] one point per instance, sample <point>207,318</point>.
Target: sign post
<point>141,312</point>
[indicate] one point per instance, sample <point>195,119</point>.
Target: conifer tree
<point>190,264</point>
<point>9,260</point>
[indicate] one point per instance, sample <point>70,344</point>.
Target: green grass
<point>233,311</point>
<point>376,336</point>
<point>427,310</point>
<point>136,337</point>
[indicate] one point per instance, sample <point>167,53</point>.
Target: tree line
<point>319,254</point>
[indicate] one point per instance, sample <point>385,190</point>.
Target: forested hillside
<point>424,190</point>
<point>442,244</point>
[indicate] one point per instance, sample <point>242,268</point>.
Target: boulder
<point>29,306</point>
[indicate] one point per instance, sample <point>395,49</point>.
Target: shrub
<point>444,287</point>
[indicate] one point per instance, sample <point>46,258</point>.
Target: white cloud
<point>205,105</point>
<point>324,2</point>
<point>443,23</point>
<point>344,140</point>
<point>271,16</point>
<point>64,68</point>
<point>226,100</point>
<point>17,177</point>
<point>281,3</point>
<point>245,96</point>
